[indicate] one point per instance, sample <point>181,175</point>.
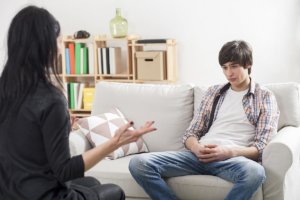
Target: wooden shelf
<point>129,47</point>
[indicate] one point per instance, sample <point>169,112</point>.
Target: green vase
<point>118,25</point>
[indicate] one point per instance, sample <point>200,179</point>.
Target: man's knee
<point>260,175</point>
<point>255,175</point>
<point>137,165</point>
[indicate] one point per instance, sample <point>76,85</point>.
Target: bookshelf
<point>123,59</point>
<point>78,73</point>
<point>100,58</point>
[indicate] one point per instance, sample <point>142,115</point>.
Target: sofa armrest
<point>281,162</point>
<point>78,143</point>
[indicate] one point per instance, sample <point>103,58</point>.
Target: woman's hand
<point>73,121</point>
<point>124,135</point>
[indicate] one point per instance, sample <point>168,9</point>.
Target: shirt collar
<point>250,90</point>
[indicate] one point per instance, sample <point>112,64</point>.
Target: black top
<point>35,160</point>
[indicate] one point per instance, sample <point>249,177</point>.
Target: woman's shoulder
<point>47,95</point>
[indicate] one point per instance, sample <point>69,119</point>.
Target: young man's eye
<point>234,66</point>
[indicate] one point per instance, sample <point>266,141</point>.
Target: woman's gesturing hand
<point>124,135</point>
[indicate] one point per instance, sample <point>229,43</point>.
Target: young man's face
<point>237,75</point>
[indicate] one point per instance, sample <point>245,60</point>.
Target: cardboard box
<point>151,65</point>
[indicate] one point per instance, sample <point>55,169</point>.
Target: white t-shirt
<point>231,127</point>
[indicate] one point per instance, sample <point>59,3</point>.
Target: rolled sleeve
<point>267,122</point>
<point>199,123</point>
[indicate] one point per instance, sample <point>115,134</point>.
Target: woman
<point>35,161</point>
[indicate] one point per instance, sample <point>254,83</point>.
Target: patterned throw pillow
<point>100,128</point>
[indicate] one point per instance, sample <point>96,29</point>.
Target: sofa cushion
<point>170,106</point>
<point>288,99</point>
<point>199,92</point>
<point>100,128</point>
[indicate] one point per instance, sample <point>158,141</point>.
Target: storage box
<point>151,65</point>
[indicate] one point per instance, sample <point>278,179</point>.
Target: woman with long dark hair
<point>35,160</point>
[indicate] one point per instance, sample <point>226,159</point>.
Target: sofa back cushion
<point>199,92</point>
<point>170,106</point>
<point>288,100</point>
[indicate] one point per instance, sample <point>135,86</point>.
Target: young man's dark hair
<point>237,51</point>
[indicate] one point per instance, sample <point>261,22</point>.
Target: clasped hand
<point>211,152</point>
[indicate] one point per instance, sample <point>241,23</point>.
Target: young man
<point>226,137</point>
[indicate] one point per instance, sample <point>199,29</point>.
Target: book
<point>80,96</point>
<point>91,58</point>
<point>85,60</point>
<point>75,96</point>
<point>115,60</point>
<point>88,98</point>
<point>77,58</point>
<point>107,61</point>
<point>100,64</point>
<point>72,58</point>
<point>67,54</point>
<point>88,93</point>
<point>104,63</point>
<point>87,105</point>
<point>67,86</point>
<point>71,96</point>
<point>147,41</point>
<point>81,60</point>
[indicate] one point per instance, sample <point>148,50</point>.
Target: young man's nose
<point>229,72</point>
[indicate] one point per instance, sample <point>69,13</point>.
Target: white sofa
<point>172,107</point>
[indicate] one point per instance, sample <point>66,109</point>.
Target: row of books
<point>79,96</point>
<point>79,58</point>
<point>109,60</point>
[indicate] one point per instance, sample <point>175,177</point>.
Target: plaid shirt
<point>260,107</point>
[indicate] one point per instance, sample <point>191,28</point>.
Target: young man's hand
<point>197,149</point>
<point>212,152</point>
<point>208,152</point>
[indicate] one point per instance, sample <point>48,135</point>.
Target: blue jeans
<point>149,170</point>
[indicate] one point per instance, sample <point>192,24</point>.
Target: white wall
<point>200,27</point>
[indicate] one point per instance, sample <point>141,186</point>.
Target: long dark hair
<point>31,57</point>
